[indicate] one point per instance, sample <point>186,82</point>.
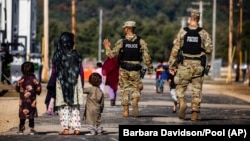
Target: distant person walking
<point>110,69</point>
<point>98,69</point>
<point>161,76</point>
<point>28,87</point>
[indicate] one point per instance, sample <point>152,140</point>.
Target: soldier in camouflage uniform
<point>131,51</point>
<point>191,46</point>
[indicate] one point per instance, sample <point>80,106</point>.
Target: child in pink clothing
<point>99,71</point>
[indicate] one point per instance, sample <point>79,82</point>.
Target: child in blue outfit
<point>161,76</point>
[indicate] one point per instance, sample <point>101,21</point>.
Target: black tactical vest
<point>130,50</point>
<point>192,41</point>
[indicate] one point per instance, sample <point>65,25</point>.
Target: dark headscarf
<point>67,61</point>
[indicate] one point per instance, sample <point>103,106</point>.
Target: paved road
<point>155,109</point>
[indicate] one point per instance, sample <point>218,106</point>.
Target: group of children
<point>29,87</point>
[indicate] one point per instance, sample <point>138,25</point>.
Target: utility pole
<point>201,3</point>
<point>46,42</point>
<point>239,59</point>
<point>73,20</point>
<point>214,38</point>
<point>230,58</point>
<point>183,22</point>
<point>100,37</point>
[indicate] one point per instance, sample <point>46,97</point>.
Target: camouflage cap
<point>194,13</point>
<point>129,24</point>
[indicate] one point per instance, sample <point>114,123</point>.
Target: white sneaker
<point>32,132</point>
<point>20,132</point>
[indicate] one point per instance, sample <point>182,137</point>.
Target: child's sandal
<point>76,132</point>
<point>64,132</point>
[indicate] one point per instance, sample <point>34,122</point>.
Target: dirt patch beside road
<point>240,91</point>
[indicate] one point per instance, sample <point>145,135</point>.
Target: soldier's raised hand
<point>106,43</point>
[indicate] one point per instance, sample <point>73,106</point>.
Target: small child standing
<point>94,105</point>
<point>28,86</point>
<point>172,90</point>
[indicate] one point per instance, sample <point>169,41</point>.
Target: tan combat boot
<point>183,107</point>
<point>135,106</point>
<point>125,111</point>
<point>195,116</point>
<point>195,111</point>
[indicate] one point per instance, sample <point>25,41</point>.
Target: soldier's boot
<point>195,116</point>
<point>125,111</point>
<point>135,110</point>
<point>195,112</point>
<point>183,108</point>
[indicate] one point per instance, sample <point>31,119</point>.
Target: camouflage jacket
<point>144,49</point>
<point>206,44</point>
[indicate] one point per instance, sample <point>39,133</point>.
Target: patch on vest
<point>192,39</point>
<point>131,45</point>
<point>130,50</point>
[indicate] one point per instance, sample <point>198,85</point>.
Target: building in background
<point>18,36</point>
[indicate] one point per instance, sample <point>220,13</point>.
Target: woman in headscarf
<point>67,75</point>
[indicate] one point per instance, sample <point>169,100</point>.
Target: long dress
<point>28,90</point>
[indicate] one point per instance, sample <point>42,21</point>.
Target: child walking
<point>172,87</point>
<point>28,86</point>
<point>94,105</point>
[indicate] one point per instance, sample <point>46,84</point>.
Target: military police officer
<point>131,51</point>
<point>188,57</point>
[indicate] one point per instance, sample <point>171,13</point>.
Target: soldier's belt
<point>191,58</point>
<point>130,67</point>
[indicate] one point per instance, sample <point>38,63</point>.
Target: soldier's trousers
<point>190,72</point>
<point>130,84</point>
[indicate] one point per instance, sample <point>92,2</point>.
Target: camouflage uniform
<point>190,70</point>
<point>130,81</point>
